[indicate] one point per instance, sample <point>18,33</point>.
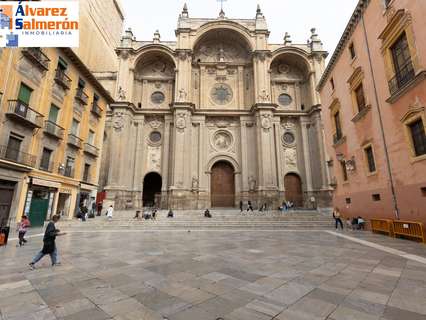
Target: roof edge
<point>350,27</point>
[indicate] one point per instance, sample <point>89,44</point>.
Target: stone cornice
<point>350,27</point>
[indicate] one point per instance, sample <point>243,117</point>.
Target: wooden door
<point>6,196</point>
<point>39,207</point>
<point>222,185</point>
<point>293,189</point>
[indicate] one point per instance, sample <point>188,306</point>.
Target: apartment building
<point>52,118</point>
<point>374,97</point>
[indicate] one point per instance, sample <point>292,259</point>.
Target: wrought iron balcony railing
<point>75,141</point>
<point>91,149</point>
<point>81,96</point>
<point>96,110</point>
<point>47,166</point>
<point>62,79</point>
<point>69,172</point>
<point>53,129</point>
<point>17,156</point>
<point>87,178</point>
<point>21,112</point>
<point>37,57</point>
<point>337,137</point>
<point>402,77</point>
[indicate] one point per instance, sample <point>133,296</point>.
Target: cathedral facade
<point>216,117</point>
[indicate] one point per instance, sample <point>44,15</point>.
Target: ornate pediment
<point>413,110</point>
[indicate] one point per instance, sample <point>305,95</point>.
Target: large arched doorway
<point>222,185</point>
<point>293,189</point>
<point>151,189</point>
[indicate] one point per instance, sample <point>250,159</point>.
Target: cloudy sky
<point>294,16</point>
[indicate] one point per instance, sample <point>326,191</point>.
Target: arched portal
<point>151,189</point>
<point>222,186</point>
<point>293,189</point>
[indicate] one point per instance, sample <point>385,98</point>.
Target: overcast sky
<point>294,16</point>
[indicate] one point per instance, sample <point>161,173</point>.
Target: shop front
<point>40,200</point>
<point>86,197</point>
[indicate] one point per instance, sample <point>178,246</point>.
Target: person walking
<point>241,206</point>
<point>337,218</point>
<point>49,244</point>
<point>110,211</point>
<point>22,229</point>
<point>249,206</point>
<point>99,209</point>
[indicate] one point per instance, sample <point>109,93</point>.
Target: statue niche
<point>154,81</point>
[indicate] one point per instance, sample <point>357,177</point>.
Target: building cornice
<point>350,27</point>
<point>81,67</point>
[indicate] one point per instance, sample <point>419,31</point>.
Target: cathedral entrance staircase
<point>194,219</point>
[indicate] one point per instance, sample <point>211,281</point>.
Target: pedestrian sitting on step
<point>207,214</point>
<point>170,214</point>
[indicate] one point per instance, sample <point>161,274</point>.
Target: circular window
<point>155,136</point>
<point>284,99</point>
<point>221,93</point>
<point>157,97</point>
<point>289,138</point>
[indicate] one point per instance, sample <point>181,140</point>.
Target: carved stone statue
<point>291,158</point>
<point>264,96</point>
<point>182,95</point>
<point>222,140</point>
<point>252,183</point>
<point>221,55</point>
<point>194,183</point>
<point>121,94</point>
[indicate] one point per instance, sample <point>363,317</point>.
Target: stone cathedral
<point>218,116</point>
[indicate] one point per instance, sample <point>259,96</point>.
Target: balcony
<point>69,172</point>
<point>48,167</point>
<point>81,96</point>
<point>96,110</point>
<point>53,129</point>
<point>37,57</point>
<point>17,156</point>
<point>90,149</point>
<point>337,137</point>
<point>402,77</point>
<point>21,112</point>
<point>75,141</point>
<point>62,79</point>
<point>87,178</point>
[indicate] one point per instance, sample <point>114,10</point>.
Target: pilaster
<point>304,123</point>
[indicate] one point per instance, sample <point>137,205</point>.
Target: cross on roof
<point>221,4</point>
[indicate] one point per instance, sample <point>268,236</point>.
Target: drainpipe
<point>382,131</point>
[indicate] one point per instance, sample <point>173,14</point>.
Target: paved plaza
<point>203,275</point>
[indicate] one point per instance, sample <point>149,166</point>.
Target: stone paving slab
<point>236,275</point>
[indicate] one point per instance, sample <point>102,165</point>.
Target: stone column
<point>304,123</point>
<point>279,159</point>
<point>262,84</point>
<point>266,152</point>
<point>138,160</point>
<point>123,75</point>
<point>240,87</point>
<point>318,126</point>
<point>183,76</point>
<point>243,151</point>
<point>168,119</point>
<point>181,183</point>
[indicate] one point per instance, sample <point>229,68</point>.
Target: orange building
<point>374,97</point>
